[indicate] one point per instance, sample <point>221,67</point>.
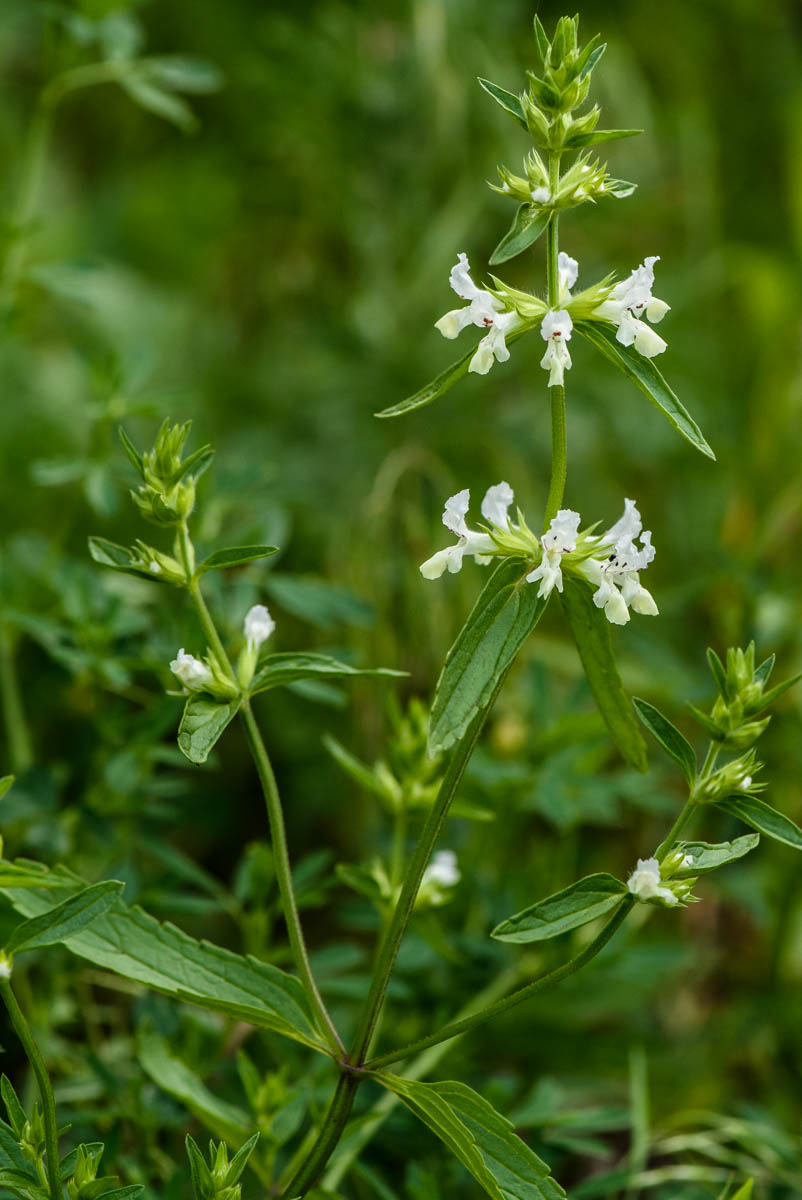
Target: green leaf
<point>590,56</point>
<point>675,744</point>
<point>183,73</point>
<point>527,226</point>
<point>109,554</point>
<point>202,723</point>
<point>445,380</point>
<point>763,818</point>
<point>765,669</point>
<point>591,631</point>
<point>277,670</point>
<point>131,450</point>
<point>509,102</point>
<point>233,556</point>
<point>717,671</point>
<point>645,374</point>
<point>596,136</point>
<point>133,944</point>
<point>774,694</point>
<point>482,1139</point>
<point>66,919</point>
<point>16,1113</point>
<point>147,93</point>
<point>199,1173</point>
<point>708,856</point>
<point>583,901</point>
<point>6,782</point>
<point>745,1192</point>
<point>541,38</point>
<point>506,612</point>
<point>175,1077</point>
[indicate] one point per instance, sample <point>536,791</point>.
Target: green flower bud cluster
<point>567,68</point>
<point>742,695</point>
<point>167,494</point>
<point>219,1180</point>
<point>737,776</point>
<point>85,1184</point>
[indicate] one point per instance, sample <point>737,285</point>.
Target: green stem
<point>281,861</point>
<point>668,843</point>
<point>409,890</point>
<point>559,453</point>
<point>331,1132</point>
<point>18,738</point>
<point>23,1032</point>
<point>419,1069</point>
<point>456,1028</point>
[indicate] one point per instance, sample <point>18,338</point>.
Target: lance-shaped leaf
<point>508,101</point>
<point>506,612</point>
<point>707,856</point>
<point>277,670</point>
<point>482,1139</point>
<point>66,919</point>
<point>109,554</point>
<point>202,723</point>
<point>646,376</point>
<point>445,380</point>
<point>527,226</point>
<point>596,136</point>
<point>134,945</point>
<point>234,556</point>
<point>173,1076</point>
<point>591,631</point>
<point>576,905</point>
<point>762,817</point>
<point>673,742</point>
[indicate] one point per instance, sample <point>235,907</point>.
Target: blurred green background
<point>274,276</point>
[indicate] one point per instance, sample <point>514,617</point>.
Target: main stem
<point>456,1028</point>
<point>559,451</point>
<point>23,1032</point>
<point>20,751</point>
<point>330,1134</point>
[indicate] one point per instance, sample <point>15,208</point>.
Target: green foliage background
<point>275,277</point>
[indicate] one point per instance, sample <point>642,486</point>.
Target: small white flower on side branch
<point>628,301</point>
<point>194,674</point>
<point>484,310</point>
<point>559,539</point>
<point>258,626</point>
<point>496,502</point>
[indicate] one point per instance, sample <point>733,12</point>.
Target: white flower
<point>559,539</point>
<point>622,566</point>
<point>494,509</point>
<point>625,304</point>
<point>441,874</point>
<point>644,882</point>
<point>484,310</point>
<point>442,870</point>
<point>5,967</point>
<point>258,626</point>
<point>541,195</point>
<point>154,567</point>
<point>555,328</point>
<point>194,674</point>
<point>568,271</point>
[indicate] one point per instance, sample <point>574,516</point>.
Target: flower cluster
<point>485,310</point>
<point>652,883</point>
<point>507,311</point>
<point>440,876</point>
<point>210,675</point>
<point>612,562</point>
<point>586,180</point>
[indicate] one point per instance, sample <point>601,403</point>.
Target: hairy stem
<point>419,1069</point>
<point>23,1032</point>
<point>456,1028</point>
<point>330,1134</point>
<point>281,861</point>
<point>557,393</point>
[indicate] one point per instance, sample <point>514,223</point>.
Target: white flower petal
<point>496,503</point>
